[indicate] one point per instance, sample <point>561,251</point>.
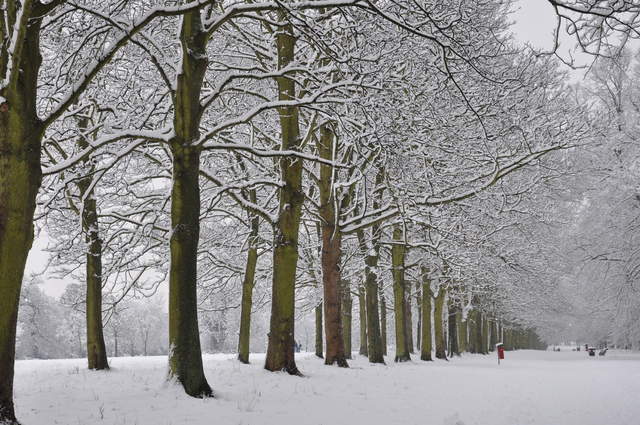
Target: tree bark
<point>115,342</point>
<point>248,284</point>
<point>485,335</point>
<point>409,317</point>
<point>374,339</point>
<point>372,289</point>
<point>454,348</point>
<point>474,331</point>
<point>280,353</point>
<point>362,309</point>
<point>347,311</point>
<point>399,296</point>
<point>462,331</point>
<point>185,356</point>
<point>319,335</point>
<point>438,320</point>
<point>493,337</point>
<point>419,311</point>
<point>331,252</point>
<point>425,348</point>
<point>20,178</point>
<point>383,321</point>
<point>96,349</point>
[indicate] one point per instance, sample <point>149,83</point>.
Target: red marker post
<point>500,351</point>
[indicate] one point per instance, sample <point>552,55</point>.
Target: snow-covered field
<point>529,387</point>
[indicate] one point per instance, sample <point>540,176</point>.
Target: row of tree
<point>50,328</point>
<point>183,140</point>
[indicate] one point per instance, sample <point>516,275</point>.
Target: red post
<point>500,351</point>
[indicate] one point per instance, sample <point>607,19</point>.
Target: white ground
<point>529,387</point>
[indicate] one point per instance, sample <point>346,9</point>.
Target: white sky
<point>533,24</point>
<point>534,21</point>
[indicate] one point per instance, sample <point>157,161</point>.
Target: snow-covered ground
<point>529,387</point>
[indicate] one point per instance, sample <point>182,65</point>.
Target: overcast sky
<point>533,23</point>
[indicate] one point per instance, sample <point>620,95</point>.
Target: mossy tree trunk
<point>319,333</point>
<point>454,347</point>
<point>419,311</point>
<point>409,317</point>
<point>21,133</point>
<point>398,251</point>
<point>280,351</point>
<point>383,321</point>
<point>425,308</point>
<point>96,349</point>
<point>331,251</point>
<point>185,356</point>
<point>485,335</point>
<point>372,288</point>
<point>475,331</point>
<point>248,284</point>
<point>362,310</point>
<point>493,336</point>
<point>462,331</point>
<point>347,312</point>
<point>438,324</point>
<point>374,337</point>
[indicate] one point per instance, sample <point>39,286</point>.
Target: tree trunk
<point>474,331</point>
<point>438,320</point>
<point>362,309</point>
<point>454,349</point>
<point>399,297</point>
<point>347,309</point>
<point>485,335</point>
<point>493,337</point>
<point>20,178</point>
<point>96,350</point>
<point>425,308</point>
<point>185,356</point>
<point>383,321</point>
<point>477,332</point>
<point>319,349</point>
<point>419,311</point>
<point>374,339</point>
<point>331,252</point>
<point>462,331</point>
<point>372,289</point>
<point>280,353</point>
<point>247,287</point>
<point>145,342</point>
<point>115,342</point>
<point>409,317</point>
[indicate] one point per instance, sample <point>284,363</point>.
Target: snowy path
<point>542,388</point>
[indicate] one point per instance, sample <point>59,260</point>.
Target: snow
<point>529,387</point>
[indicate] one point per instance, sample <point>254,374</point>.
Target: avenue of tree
<point>405,158</point>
